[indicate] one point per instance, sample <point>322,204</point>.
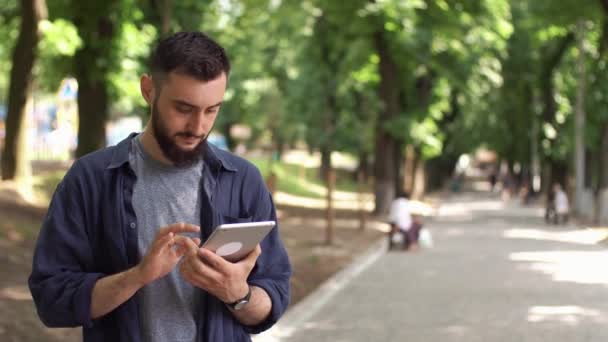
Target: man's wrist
<point>240,294</point>
<point>137,276</point>
<point>240,302</point>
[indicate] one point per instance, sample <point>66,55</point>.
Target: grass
<point>45,185</point>
<point>17,228</point>
<point>299,181</point>
<point>292,179</point>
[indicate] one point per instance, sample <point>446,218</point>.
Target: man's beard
<point>177,155</point>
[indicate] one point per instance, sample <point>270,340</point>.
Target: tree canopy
<point>368,77</point>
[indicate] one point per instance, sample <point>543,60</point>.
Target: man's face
<point>184,110</point>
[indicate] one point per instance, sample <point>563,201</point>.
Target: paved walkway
<point>496,273</point>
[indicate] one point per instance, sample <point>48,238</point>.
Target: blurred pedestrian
<point>400,219</point>
<point>550,215</point>
<point>562,205</point>
<point>414,232</point>
<point>507,186</point>
<point>493,179</point>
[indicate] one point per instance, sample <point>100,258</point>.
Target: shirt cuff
<point>84,295</point>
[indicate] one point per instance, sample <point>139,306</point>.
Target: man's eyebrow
<point>185,103</point>
<point>216,105</point>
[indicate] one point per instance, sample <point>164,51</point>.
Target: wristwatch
<point>239,304</point>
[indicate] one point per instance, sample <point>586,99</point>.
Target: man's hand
<point>223,279</point>
<point>165,252</point>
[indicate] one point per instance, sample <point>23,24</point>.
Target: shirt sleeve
<point>273,270</point>
<point>60,284</point>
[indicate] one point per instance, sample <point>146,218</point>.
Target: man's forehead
<point>180,77</point>
<point>188,89</point>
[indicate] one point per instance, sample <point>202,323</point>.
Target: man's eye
<point>184,109</point>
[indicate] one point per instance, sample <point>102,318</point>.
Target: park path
<point>496,273</point>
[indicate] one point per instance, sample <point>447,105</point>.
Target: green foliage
<point>470,72</point>
<point>135,43</point>
<point>59,43</point>
<point>294,180</point>
<point>9,29</point>
<point>72,27</point>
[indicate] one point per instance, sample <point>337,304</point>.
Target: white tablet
<point>234,241</point>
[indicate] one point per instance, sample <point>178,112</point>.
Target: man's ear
<point>146,85</point>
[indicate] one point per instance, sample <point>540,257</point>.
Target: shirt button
<point>132,225</point>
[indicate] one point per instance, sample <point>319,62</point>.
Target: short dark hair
<point>190,53</point>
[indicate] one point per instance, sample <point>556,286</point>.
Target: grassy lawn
<point>301,181</point>
<point>292,179</point>
<point>45,185</point>
<point>17,228</point>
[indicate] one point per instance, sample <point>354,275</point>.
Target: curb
<point>297,315</point>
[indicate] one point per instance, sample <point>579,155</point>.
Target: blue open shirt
<point>90,232</point>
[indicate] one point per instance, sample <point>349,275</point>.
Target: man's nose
<point>197,124</point>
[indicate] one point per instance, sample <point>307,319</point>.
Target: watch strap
<point>238,304</point>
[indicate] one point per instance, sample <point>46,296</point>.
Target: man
<point>114,254</point>
<point>562,205</point>
<point>400,220</point>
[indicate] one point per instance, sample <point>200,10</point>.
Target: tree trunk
<point>546,76</point>
<point>325,162</point>
<point>363,167</point>
<point>548,99</point>
<point>326,167</point>
<point>604,156</point>
<point>420,180</point>
<point>603,48</point>
<point>440,169</point>
<point>604,4</point>
<point>14,159</point>
<point>93,62</point>
<point>534,157</point>
<point>385,143</point>
<point>322,27</point>
<point>409,166</point>
<point>558,172</point>
<point>361,197</point>
<point>579,124</point>
<point>93,114</point>
<point>602,182</point>
<point>330,181</point>
<point>165,12</point>
<point>399,170</point>
<point>416,160</point>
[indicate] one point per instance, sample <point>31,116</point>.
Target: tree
<point>579,126</point>
<point>99,27</point>
<point>14,162</point>
<point>385,144</point>
<point>10,20</point>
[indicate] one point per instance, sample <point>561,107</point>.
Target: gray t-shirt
<point>164,195</point>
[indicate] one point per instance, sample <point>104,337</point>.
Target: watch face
<point>240,304</point>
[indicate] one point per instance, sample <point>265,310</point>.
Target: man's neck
<point>151,146</point>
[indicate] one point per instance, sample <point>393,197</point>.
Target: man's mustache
<point>190,135</point>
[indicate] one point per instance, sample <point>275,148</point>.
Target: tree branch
<point>604,4</point>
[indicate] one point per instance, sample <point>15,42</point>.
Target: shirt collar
<point>212,158</point>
